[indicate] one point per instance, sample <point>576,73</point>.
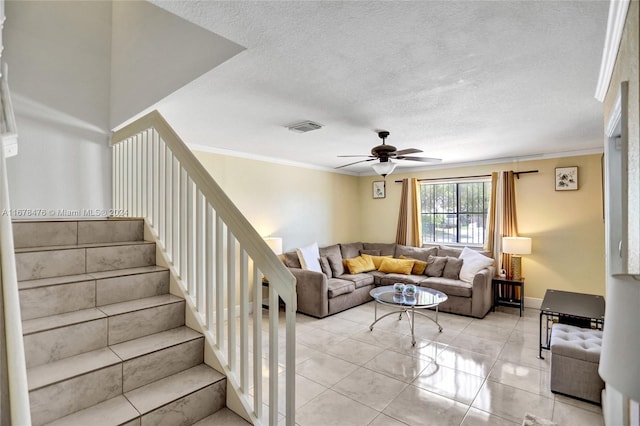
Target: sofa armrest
<point>313,292</point>
<point>482,297</point>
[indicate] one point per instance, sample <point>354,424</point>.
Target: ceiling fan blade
<point>351,164</point>
<point>363,155</point>
<point>422,159</point>
<point>408,151</point>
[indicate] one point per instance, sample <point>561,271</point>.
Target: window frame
<point>486,201</point>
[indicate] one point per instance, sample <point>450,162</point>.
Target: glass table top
<point>424,297</point>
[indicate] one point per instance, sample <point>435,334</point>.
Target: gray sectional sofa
<point>335,290</point>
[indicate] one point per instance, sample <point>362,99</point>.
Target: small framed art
<point>566,178</point>
<point>379,190</point>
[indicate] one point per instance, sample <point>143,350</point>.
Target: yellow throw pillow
<point>398,266</point>
<point>357,265</point>
<point>418,267</point>
<point>377,260</point>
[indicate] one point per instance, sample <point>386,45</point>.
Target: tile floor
<point>476,372</point>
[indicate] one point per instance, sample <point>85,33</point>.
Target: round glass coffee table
<point>423,299</point>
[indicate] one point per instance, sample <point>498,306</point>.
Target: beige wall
<point>567,227</point>
<point>300,205</point>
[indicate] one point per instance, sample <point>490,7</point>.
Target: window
<point>454,212</point>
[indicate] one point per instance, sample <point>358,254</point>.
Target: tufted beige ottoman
<point>575,355</point>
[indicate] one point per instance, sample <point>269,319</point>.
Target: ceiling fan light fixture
<point>384,168</point>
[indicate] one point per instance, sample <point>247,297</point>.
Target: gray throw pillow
<point>291,260</point>
<point>435,266</point>
<point>415,252</point>
<point>452,268</point>
<point>336,265</point>
<point>326,268</point>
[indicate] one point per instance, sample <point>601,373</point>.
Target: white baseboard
<point>532,302</point>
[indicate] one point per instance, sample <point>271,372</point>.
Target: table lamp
<point>515,246</point>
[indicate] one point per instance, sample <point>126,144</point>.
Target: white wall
<point>59,55</point>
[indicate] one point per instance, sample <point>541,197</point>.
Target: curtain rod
<point>470,177</point>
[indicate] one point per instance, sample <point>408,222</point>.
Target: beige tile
<point>325,369</point>
<point>486,331</point>
<point>339,326</point>
<point>120,257</point>
<point>130,287</point>
<point>189,408</point>
<point>103,231</point>
<point>381,338</point>
<point>317,339</point>
<point>477,417</point>
<point>467,361</point>
<point>75,394</point>
<point>511,403</point>
<point>589,406</point>
<point>332,408</point>
<point>306,390</point>
<point>354,351</point>
<point>51,263</point>
<point>37,325</point>
<point>425,349</point>
<point>38,234</point>
<point>414,406</point>
<point>522,377</point>
<point>140,323</point>
<point>524,355</point>
<point>372,389</point>
<point>501,320</point>
<point>110,412</point>
<point>44,282</point>
<point>384,420</point>
<point>480,345</point>
<point>566,414</point>
<point>457,385</point>
<point>223,417</point>
<point>58,299</point>
<point>398,366</point>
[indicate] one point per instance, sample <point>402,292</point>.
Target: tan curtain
<point>492,234</point>
<point>509,225</point>
<point>409,230</point>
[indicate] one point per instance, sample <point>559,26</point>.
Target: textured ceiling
<point>466,81</point>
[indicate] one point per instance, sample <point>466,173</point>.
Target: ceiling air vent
<point>304,126</point>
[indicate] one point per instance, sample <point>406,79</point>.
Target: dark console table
<point>504,293</point>
<point>583,310</point>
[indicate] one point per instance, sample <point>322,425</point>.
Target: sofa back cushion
<point>386,249</point>
<point>290,260</point>
<point>351,250</point>
<point>473,262</point>
<point>452,268</point>
<point>435,266</point>
<point>332,250</point>
<point>326,268</point>
<point>415,252</point>
<point>449,251</point>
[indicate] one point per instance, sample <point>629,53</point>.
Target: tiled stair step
<point>45,262</point>
<point>159,355</point>
<point>180,399</point>
<point>224,417</point>
<point>71,384</point>
<point>83,380</point>
<point>63,233</point>
<point>60,336</point>
<point>57,295</point>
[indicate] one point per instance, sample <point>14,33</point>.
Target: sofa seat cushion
<point>377,277</point>
<point>448,286</point>
<point>576,342</point>
<point>391,279</point>
<point>360,280</point>
<point>337,287</point>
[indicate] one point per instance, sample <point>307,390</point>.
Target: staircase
<point>105,341</point>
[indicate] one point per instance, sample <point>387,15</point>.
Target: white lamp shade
<point>274,243</point>
<point>516,245</point>
<point>384,168</point>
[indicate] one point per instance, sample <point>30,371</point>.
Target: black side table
<point>504,293</point>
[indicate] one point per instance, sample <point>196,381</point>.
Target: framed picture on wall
<point>567,178</point>
<point>379,190</point>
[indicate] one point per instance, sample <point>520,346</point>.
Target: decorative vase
<point>398,288</point>
<point>410,290</point>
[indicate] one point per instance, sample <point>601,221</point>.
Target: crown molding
<point>615,25</point>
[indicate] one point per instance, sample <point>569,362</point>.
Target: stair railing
<point>14,392</point>
<point>216,256</point>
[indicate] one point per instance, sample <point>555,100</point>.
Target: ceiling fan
<point>385,153</point>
